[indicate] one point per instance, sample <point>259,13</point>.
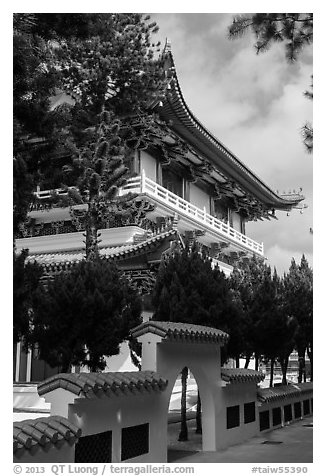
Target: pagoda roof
<point>53,262</point>
<point>174,109</point>
<point>180,331</point>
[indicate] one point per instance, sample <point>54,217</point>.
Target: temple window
<point>220,210</point>
<point>172,182</point>
<point>199,197</point>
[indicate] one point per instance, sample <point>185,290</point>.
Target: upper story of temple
<point>194,180</point>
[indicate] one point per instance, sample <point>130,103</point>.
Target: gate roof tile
<point>241,375</point>
<point>283,391</point>
<point>111,383</point>
<point>42,431</point>
<point>177,331</point>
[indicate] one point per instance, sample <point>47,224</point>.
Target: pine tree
<point>287,326</point>
<point>33,128</point>
<point>298,289</point>
<point>105,64</point>
<point>82,316</point>
<point>26,280</point>
<point>245,282</point>
<point>294,29</point>
<point>274,331</point>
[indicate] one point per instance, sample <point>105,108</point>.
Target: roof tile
<point>181,331</point>
<point>52,261</point>
<point>284,391</point>
<point>90,384</point>
<point>241,375</point>
<point>40,431</point>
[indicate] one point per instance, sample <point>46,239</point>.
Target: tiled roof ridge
<point>119,253</point>
<point>145,243</point>
<point>283,391</point>
<point>241,375</point>
<point>108,383</point>
<point>44,430</point>
<point>180,330</point>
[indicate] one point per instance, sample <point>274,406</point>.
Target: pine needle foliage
<point>97,76</point>
<point>188,290</point>
<point>26,281</point>
<point>83,315</point>
<point>295,30</point>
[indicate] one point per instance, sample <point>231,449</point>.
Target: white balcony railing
<point>144,185</point>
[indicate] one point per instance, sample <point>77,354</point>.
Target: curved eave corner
<point>290,201</point>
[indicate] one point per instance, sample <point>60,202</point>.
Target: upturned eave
<point>182,122</point>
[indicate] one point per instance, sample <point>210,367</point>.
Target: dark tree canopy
<point>26,278</point>
<point>245,281</point>
<point>83,315</point>
<point>307,130</point>
<point>189,290</point>
<point>295,30</point>
<point>298,292</point>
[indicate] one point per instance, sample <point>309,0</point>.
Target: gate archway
<point>168,347</point>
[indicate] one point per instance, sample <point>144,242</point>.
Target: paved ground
<point>295,446</point>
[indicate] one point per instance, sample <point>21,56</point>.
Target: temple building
<point>194,187</point>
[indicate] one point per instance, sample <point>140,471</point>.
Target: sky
<point>254,104</point>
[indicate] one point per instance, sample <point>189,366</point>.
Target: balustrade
<point>143,184</point>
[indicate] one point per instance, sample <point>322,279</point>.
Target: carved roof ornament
<point>142,280</point>
<point>193,177</point>
<point>218,192</point>
<point>236,204</point>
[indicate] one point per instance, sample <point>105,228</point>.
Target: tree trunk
<point>91,230</point>
<point>247,361</point>
<point>284,366</point>
<point>136,360</point>
<point>302,364</point>
<point>272,372</point>
<point>199,428</point>
<point>183,435</point>
<point>256,362</point>
<point>65,368</point>
<point>237,362</point>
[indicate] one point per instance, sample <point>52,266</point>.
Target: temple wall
<point>199,198</point>
<point>276,413</point>
<point>235,396</point>
<point>115,414</point>
<point>236,219</point>
<point>148,163</point>
<point>135,424</point>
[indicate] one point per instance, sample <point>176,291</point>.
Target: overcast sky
<point>255,106</point>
